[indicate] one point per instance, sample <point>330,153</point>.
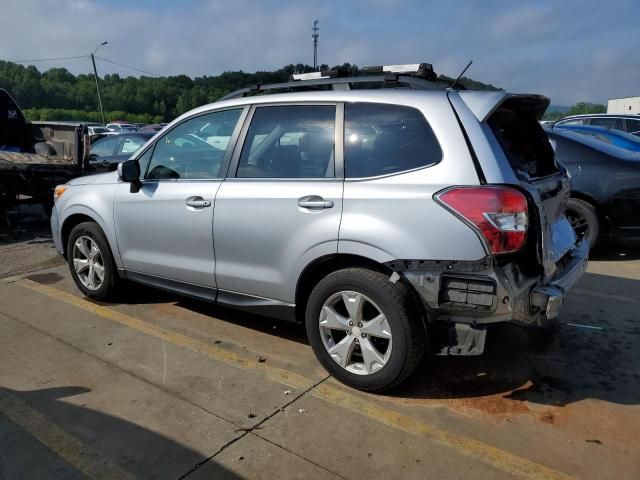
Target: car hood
<point>101,178</point>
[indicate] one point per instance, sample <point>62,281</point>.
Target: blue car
<point>608,135</point>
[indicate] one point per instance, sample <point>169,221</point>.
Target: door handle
<point>197,202</point>
<point>314,202</point>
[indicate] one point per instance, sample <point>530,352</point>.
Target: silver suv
<point>385,219</point>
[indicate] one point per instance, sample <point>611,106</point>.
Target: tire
<point>47,206</point>
<point>584,220</point>
<point>83,234</point>
<point>404,325</point>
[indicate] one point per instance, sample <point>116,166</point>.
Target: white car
<point>121,127</point>
<point>98,130</point>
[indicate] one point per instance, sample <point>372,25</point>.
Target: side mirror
<point>129,171</point>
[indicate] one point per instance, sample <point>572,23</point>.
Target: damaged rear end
<point>518,212</point>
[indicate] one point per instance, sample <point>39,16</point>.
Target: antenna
<point>314,36</point>
<point>461,73</point>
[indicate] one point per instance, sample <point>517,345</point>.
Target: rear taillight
<point>499,213</point>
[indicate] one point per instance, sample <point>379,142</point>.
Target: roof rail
<point>418,76</point>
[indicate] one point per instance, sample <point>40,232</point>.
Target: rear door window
<point>381,139</point>
<point>291,141</point>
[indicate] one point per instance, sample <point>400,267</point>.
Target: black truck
<point>36,156</point>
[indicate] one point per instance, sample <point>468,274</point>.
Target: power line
<point>85,56</point>
<point>48,59</point>
<point>128,66</point>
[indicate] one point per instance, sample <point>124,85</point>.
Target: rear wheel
<point>584,220</point>
<point>364,329</point>
<point>90,261</point>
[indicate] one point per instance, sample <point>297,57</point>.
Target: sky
<point>569,50</point>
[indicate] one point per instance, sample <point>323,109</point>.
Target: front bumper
<point>55,232</point>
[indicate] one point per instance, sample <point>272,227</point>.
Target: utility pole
<point>95,75</point>
<point>314,36</point>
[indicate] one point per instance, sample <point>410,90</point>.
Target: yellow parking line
<point>480,451</point>
<point>492,456</point>
<point>273,373</point>
<point>81,456</point>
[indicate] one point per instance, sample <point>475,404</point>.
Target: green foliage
<point>470,84</point>
<point>578,109</point>
<point>59,95</point>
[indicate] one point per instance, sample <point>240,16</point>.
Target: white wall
<point>629,105</point>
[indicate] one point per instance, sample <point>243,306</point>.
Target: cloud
<point>566,50</point>
<point>527,19</point>
<point>80,4</point>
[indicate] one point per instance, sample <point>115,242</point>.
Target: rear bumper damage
<point>465,297</point>
<point>548,298</point>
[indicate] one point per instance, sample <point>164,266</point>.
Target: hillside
<point>57,94</point>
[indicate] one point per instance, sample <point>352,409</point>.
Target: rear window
<point>614,123</point>
<point>380,139</point>
<point>515,125</point>
<point>633,126</point>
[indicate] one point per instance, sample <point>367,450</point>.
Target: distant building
<point>628,105</point>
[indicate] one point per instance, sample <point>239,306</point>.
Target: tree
<point>57,94</point>
<point>578,109</point>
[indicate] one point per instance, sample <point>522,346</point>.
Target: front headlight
<point>58,191</point>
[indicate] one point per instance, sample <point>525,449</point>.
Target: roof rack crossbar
<point>340,83</point>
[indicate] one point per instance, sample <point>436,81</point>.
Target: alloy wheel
<point>88,262</point>
<point>355,332</point>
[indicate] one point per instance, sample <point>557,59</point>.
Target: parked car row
<point>98,130</point>
<point>121,127</point>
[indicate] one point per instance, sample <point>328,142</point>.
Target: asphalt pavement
<point>160,386</point>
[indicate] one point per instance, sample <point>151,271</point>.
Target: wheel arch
<point>323,266</point>
<point>78,217</point>
<point>68,224</point>
<point>602,217</point>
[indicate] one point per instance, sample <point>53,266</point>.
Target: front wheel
<point>364,329</point>
<point>90,261</point>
